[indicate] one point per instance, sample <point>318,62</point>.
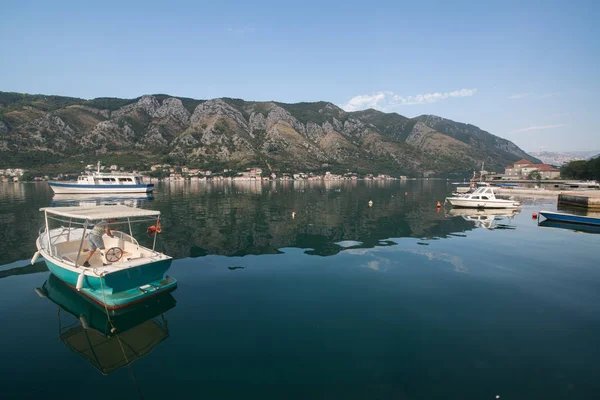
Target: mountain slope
<point>38,129</point>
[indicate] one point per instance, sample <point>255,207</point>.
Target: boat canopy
<point>95,213</point>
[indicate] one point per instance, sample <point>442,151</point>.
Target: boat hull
<point>468,203</point>
<point>121,288</point>
<point>570,218</point>
<point>75,188</point>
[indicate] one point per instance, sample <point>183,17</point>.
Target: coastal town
<point>167,172</point>
<point>521,169</point>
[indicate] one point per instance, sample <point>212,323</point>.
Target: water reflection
<point>488,219</point>
<point>127,199</point>
<point>253,217</point>
<point>87,331</point>
<point>569,226</point>
<point>237,218</point>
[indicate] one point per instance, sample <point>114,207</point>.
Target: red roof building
<point>522,162</point>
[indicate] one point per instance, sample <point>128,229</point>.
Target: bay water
<point>302,290</point>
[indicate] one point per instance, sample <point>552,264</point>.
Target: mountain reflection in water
<point>240,218</point>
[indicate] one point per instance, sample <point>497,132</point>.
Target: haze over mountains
<point>560,158</point>
<point>40,129</point>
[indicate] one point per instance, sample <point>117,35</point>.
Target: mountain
<point>37,130</point>
<point>560,158</point>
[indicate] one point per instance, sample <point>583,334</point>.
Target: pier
<point>583,198</point>
<point>587,199</point>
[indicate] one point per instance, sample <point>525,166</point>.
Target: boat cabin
<point>482,193</point>
<point>109,179</point>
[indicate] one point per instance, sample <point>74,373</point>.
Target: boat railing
<point>49,241</point>
<point>126,237</point>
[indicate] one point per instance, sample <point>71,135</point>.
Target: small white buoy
<point>35,257</point>
<point>80,279</point>
<point>370,203</point>
<point>497,396</point>
<point>294,214</point>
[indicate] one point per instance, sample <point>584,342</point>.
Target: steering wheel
<point>113,254</point>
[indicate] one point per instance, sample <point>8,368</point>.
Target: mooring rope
<point>116,332</point>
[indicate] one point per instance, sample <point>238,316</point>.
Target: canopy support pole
<point>81,243</point>
<point>129,223</point>
<point>48,232</point>
<point>69,233</point>
<point>155,235</point>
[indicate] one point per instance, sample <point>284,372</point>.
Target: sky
<point>523,70</point>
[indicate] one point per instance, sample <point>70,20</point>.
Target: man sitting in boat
<point>95,239</point>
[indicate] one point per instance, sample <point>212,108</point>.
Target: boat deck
<point>133,254</point>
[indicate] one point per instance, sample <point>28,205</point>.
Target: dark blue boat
<point>570,218</point>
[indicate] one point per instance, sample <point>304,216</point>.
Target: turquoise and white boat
<point>126,274</point>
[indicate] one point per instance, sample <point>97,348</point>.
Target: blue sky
<point>526,71</point>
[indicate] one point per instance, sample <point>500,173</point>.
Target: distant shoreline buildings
<point>524,169</point>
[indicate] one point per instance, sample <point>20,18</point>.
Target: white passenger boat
<point>101,182</point>
<point>483,197</point>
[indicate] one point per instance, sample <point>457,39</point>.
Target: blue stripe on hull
<point>574,219</point>
<point>79,186</point>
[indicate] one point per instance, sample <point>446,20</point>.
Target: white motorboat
<point>483,197</point>
<point>99,182</point>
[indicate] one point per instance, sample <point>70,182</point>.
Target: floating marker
<point>370,203</point>
<point>294,214</point>
<point>439,204</point>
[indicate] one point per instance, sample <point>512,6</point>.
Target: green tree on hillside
<point>582,169</point>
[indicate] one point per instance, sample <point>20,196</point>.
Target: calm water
<point>393,301</point>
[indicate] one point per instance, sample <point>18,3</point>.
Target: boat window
<point>484,198</point>
<point>124,179</point>
<point>108,179</point>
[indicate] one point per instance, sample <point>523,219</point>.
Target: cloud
<point>530,94</point>
<point>389,100</point>
<point>545,96</point>
<point>519,95</point>
<point>538,128</point>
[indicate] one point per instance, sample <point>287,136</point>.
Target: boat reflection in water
<point>138,329</point>
<point>97,199</point>
<point>486,218</point>
<point>570,226</point>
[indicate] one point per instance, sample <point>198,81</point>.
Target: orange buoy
<point>439,204</point>
<point>406,193</point>
<point>534,216</point>
<point>151,230</point>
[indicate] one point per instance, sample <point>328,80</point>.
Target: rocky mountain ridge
<point>237,133</point>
